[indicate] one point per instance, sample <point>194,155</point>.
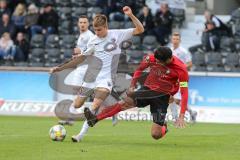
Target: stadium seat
<point>179,16</point>
<point>128,25</point>
<point>215,68</point>
<point>21,64</point>
<point>92,11</point>
<point>67,53</point>
<point>64,13</point>
<point>48,64</point>
<point>232,69</point>
<point>198,68</point>
<point>77,12</point>
<point>68,42</point>
<point>36,64</point>
<point>37,41</point>
<point>37,55</point>
<point>52,55</point>
<point>79,3</point>
<point>136,42</point>
<point>227,44</point>
<point>63,3</point>
<point>52,41</point>
<point>91,2</point>
<point>134,56</point>
<point>232,60</point>
<point>214,58</point>
<point>65,27</point>
<point>114,25</point>
<point>149,42</point>
<point>198,58</point>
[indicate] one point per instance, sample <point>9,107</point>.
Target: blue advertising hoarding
<point>214,90</point>
<point>30,86</point>
<point>209,90</point>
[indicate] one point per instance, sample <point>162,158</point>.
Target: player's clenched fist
<point>127,10</point>
<point>54,69</point>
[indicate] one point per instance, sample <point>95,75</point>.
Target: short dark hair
<point>163,53</point>
<point>177,34</point>
<point>83,16</point>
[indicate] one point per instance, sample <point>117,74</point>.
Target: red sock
<point>109,112</point>
<point>164,129</point>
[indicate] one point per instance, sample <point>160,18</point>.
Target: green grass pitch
<point>26,138</point>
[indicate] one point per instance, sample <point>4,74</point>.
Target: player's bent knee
<point>79,102</point>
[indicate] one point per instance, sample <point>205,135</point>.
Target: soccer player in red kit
<point>167,74</point>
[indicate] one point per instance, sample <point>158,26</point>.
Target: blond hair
<point>20,10</point>
<point>100,20</point>
<point>6,35</point>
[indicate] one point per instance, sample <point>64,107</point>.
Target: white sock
<point>72,109</point>
<point>83,130</point>
<point>174,109</point>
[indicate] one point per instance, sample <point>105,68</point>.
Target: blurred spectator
<point>163,23</point>
<point>22,47</point>
<point>225,30</point>
<point>108,6</point>
<point>7,50</point>
<point>210,39</point>
<point>18,17</point>
<point>147,19</point>
<point>7,26</point>
<point>4,8</point>
<point>32,17</point>
<point>47,23</point>
<point>14,4</point>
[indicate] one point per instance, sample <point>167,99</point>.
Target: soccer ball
<point>57,133</point>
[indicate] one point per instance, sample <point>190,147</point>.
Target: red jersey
<point>165,78</point>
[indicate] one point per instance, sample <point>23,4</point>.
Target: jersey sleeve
<point>143,65</point>
<point>183,85</point>
<point>125,34</point>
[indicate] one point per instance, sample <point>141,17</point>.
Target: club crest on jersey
<point>147,59</point>
<point>110,46</point>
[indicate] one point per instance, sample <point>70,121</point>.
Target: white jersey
<point>185,57</point>
<point>76,78</point>
<point>182,54</point>
<point>83,40</point>
<point>106,52</point>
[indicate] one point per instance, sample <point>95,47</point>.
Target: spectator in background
<point>163,23</point>
<point>22,47</point>
<point>31,18</point>
<point>18,17</point>
<point>147,19</point>
<point>14,4</point>
<point>108,6</point>
<point>47,23</point>
<point>7,26</point>
<point>4,8</point>
<point>7,49</point>
<point>210,39</point>
<point>223,28</point>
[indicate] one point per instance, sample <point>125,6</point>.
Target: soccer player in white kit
<point>84,37</point>
<point>79,72</point>
<point>105,46</point>
<point>186,57</point>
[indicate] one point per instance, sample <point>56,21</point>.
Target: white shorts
<point>103,83</point>
<point>88,88</point>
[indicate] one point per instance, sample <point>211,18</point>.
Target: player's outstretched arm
<point>139,27</point>
<point>69,64</point>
